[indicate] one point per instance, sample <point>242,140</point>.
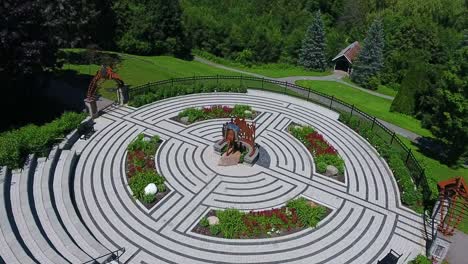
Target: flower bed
<point>192,115</point>
<point>297,215</point>
<point>324,154</point>
<point>141,170</point>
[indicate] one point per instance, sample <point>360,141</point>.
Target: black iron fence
<point>416,170</point>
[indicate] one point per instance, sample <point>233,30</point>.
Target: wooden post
<point>308,95</point>
<point>263,79</point>
<point>331,101</point>
<point>285,88</point>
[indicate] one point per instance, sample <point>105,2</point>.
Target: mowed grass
<point>382,89</point>
<point>371,104</point>
<point>138,70</point>
<point>273,70</point>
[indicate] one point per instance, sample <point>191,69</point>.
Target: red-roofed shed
<point>344,59</point>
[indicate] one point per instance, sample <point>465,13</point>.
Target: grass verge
<point>273,70</point>
<point>373,105</point>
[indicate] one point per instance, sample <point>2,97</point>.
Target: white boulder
<point>331,171</point>
<point>151,189</point>
<point>213,220</point>
<point>184,119</point>
<point>247,112</point>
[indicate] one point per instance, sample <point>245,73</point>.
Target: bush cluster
<point>216,111</point>
<point>297,213</point>
<point>308,215</point>
<point>15,145</point>
<point>177,89</point>
<point>410,194</point>
<point>420,259</point>
<point>141,179</point>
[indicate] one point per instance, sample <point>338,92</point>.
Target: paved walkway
<point>75,205</point>
<point>367,219</point>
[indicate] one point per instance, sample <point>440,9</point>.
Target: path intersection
<point>367,218</point>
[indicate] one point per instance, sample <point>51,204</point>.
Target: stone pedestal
<point>91,106</point>
<point>122,94</point>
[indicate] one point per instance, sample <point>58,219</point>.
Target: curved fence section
<point>347,110</point>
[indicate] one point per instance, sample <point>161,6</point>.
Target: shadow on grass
<point>436,149</point>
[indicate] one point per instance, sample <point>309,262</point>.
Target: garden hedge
<point>17,144</point>
<point>167,91</point>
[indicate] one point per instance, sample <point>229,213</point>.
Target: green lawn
<point>137,70</point>
<point>381,89</point>
<point>273,70</point>
<point>368,103</point>
<point>439,172</point>
<point>386,90</point>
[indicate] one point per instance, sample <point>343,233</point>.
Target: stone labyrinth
<point>367,219</point>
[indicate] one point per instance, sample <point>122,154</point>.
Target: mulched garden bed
<point>324,154</point>
<point>140,169</point>
<point>214,111</point>
<point>266,223</point>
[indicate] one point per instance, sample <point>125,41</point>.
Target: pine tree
<point>370,59</point>
<point>312,54</point>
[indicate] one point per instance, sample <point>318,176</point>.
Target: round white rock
<point>151,189</point>
<point>213,220</point>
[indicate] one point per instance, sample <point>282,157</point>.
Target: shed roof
<point>350,52</point>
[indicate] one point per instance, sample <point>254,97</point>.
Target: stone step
<point>23,215</point>
<point>61,187</point>
<point>30,212</point>
<point>12,247</point>
<point>45,211</point>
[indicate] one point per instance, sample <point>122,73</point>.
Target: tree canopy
<point>312,54</point>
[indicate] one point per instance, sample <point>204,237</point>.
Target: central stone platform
<point>211,159</point>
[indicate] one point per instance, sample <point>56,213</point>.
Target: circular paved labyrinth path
<point>367,219</point>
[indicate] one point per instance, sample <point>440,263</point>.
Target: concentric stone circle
<point>367,218</point>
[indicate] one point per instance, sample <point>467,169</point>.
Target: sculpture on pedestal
<point>238,140</point>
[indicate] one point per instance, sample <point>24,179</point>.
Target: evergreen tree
<point>413,85</point>
<point>370,59</point>
<point>446,109</point>
<point>312,54</point>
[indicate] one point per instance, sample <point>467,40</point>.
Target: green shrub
<point>410,195</point>
<point>141,179</point>
<point>239,110</point>
<point>193,114</point>
<point>308,215</point>
<point>149,198</point>
<point>166,91</point>
<point>204,222</point>
<point>149,147</point>
<point>161,187</point>
<point>17,144</point>
<point>215,230</point>
<point>321,166</point>
<point>420,259</point>
<point>230,222</point>
<point>330,159</point>
<point>301,132</point>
